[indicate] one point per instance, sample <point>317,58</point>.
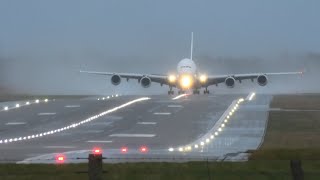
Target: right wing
<point>161,79</point>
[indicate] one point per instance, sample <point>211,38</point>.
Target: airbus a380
<point>188,78</point>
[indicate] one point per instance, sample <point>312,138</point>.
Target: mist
<point>44,44</point>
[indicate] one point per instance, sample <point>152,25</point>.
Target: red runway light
<point>97,151</point>
<point>60,158</point>
<point>143,149</point>
<point>124,149</point>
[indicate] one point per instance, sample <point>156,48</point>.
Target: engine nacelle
<point>230,81</point>
<point>262,80</point>
<point>115,79</point>
<point>145,82</point>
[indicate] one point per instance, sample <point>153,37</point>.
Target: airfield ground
<point>292,133</point>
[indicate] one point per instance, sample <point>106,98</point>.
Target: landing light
<point>171,149</point>
<point>17,105</point>
<point>203,78</point>
<point>186,82</point>
<point>46,100</point>
<point>6,108</point>
<point>172,78</point>
<point>27,103</point>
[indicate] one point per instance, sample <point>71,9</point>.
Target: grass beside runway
<point>297,129</point>
<point>254,170</point>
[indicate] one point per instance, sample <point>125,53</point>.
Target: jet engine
<point>262,80</point>
<point>230,81</point>
<point>145,82</point>
<point>115,79</point>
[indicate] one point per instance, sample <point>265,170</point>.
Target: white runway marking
<point>162,113</point>
<point>175,106</point>
<point>46,114</point>
<point>147,123</point>
<point>72,106</point>
<point>62,147</point>
<point>15,123</point>
<point>94,141</point>
<point>133,135</point>
<point>180,96</point>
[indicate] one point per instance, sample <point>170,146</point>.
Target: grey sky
<point>68,34</point>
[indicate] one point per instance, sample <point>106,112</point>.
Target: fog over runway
<point>169,127</point>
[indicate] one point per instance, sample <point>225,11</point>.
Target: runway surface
<point>178,129</point>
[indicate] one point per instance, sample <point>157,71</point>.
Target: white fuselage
<point>187,73</point>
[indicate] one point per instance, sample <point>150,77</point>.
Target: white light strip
<point>180,96</point>
<point>21,104</point>
<point>216,130</point>
<point>74,125</point>
<point>251,96</point>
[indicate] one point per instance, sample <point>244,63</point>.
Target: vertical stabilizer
<point>191,50</point>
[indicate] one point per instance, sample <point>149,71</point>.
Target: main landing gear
<point>196,91</point>
<point>170,92</point>
<point>181,92</point>
<point>206,91</point>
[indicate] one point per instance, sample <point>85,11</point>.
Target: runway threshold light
<point>144,149</point>
<point>60,158</point>
<point>97,151</point>
<point>124,150</point>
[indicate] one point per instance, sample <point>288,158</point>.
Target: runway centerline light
<point>37,101</point>
<point>171,149</point>
<point>17,105</point>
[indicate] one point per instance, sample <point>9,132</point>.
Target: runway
<point>166,126</point>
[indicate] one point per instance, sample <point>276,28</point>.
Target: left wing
<point>262,77</point>
<point>161,79</point>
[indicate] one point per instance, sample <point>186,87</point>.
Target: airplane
<point>188,78</point>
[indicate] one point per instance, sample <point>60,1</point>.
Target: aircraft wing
<point>162,79</point>
<point>217,79</point>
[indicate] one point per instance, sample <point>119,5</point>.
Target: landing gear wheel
<point>206,92</point>
<point>170,92</point>
<point>196,92</point>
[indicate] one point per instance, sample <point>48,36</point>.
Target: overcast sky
<point>66,35</point>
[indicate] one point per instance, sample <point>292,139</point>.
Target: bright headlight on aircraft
<point>186,82</point>
<point>172,78</point>
<point>203,78</point>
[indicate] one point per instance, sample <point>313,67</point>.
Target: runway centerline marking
<point>47,114</point>
<point>72,106</point>
<point>162,113</point>
<point>175,106</point>
<point>147,123</point>
<point>56,147</point>
<point>133,135</point>
<point>97,141</point>
<point>15,123</point>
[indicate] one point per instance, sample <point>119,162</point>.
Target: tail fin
<point>191,50</point>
